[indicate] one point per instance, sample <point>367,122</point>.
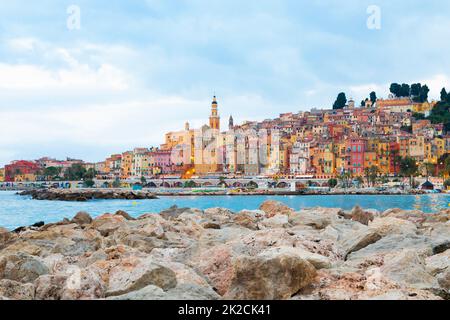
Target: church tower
<point>231,123</point>
<point>214,119</point>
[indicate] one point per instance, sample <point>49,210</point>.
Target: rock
<point>438,263</point>
<point>124,214</point>
<point>248,219</point>
<point>181,292</point>
<point>444,282</point>
<point>278,221</point>
<point>273,208</point>
<point>388,226</point>
<point>361,216</point>
<point>108,224</point>
<point>211,225</point>
<point>408,268</point>
<point>5,236</point>
<point>82,218</point>
<point>50,287</point>
<point>21,267</point>
<point>134,274</point>
<point>172,213</point>
<point>15,290</point>
<point>218,215</point>
<point>317,260</point>
<point>269,276</point>
<point>415,216</point>
<point>359,240</point>
<point>318,218</point>
<point>216,266</point>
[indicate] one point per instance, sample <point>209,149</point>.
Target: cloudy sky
<point>136,69</point>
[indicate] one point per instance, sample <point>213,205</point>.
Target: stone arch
<point>165,185</point>
<point>207,184</point>
<point>151,185</point>
<point>178,185</point>
<point>237,185</point>
<point>252,184</point>
<point>282,185</point>
<point>222,184</point>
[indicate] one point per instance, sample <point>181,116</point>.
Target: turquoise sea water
<point>18,211</point>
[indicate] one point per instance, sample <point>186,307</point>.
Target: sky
<point>136,69</point>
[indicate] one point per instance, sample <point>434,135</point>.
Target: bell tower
<point>214,119</point>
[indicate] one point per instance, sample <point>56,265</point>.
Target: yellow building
<point>29,177</point>
<point>127,165</point>
<point>383,157</point>
<point>2,174</point>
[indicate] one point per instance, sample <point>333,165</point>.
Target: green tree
<point>447,183</point>
<point>143,180</point>
<point>408,168</point>
<point>405,90</point>
<point>52,172</point>
<point>444,95</point>
<point>395,89</point>
<point>416,89</point>
<point>373,97</point>
<point>423,96</point>
<point>90,174</point>
<point>116,183</point>
<point>89,183</point>
<point>75,173</point>
<point>332,183</point>
<point>428,168</point>
<point>363,103</point>
<point>340,102</point>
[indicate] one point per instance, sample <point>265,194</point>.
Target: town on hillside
<point>404,135</point>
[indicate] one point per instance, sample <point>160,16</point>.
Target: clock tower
<point>214,119</point>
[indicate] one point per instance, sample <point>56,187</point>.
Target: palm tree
<point>408,168</point>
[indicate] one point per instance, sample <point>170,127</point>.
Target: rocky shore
<point>271,253</point>
<point>87,194</point>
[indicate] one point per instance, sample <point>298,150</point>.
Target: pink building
<point>357,149</point>
<point>161,161</point>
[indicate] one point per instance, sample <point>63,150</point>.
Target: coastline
<point>213,254</point>
<point>97,194</point>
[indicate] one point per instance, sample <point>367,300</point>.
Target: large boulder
<point>361,216</point>
<point>15,290</point>
<point>180,292</point>
<point>216,266</point>
<point>270,276</point>
<point>107,224</point>
<point>82,218</point>
<point>387,226</point>
<point>407,268</point>
<point>273,208</point>
<point>134,274</point>
<point>21,267</point>
<point>5,236</point>
<point>278,221</point>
